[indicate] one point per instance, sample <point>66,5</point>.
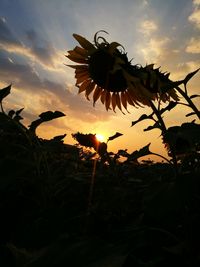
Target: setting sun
<point>100,137</point>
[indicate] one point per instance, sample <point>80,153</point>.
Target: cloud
<point>40,94</point>
<point>147,27</point>
<point>193,46</point>
<point>36,49</point>
<point>195,16</point>
<point>40,49</point>
<point>155,49</point>
<point>6,36</point>
<point>196,2</point>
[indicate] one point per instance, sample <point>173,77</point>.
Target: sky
<point>36,35</point>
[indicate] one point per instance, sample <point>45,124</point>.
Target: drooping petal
<point>124,100</point>
<point>118,102</point>
<point>73,53</point>
<point>81,78</point>
<point>96,94</point>
<point>77,60</point>
<point>81,74</point>
<point>84,85</point>
<point>83,42</point>
<point>89,89</point>
<point>129,99</point>
<point>81,51</point>
<point>114,102</point>
<point>108,98</point>
<point>76,67</point>
<point>103,96</point>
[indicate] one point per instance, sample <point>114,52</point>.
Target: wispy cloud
<point>36,49</point>
<point>147,27</point>
<point>195,16</point>
<point>6,36</point>
<point>193,46</point>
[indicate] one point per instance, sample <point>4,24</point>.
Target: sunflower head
<point>104,70</point>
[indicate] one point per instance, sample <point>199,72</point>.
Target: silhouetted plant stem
<point>164,131</point>
<point>188,99</point>
<point>156,154</point>
<point>2,107</point>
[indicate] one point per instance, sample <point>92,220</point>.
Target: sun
<point>100,137</point>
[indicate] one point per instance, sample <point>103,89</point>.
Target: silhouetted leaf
<point>189,76</point>
<point>114,136</point>
<point>151,127</point>
<point>59,137</point>
<point>19,111</point>
<point>50,115</point>
<point>170,85</point>
<point>45,116</point>
<point>190,114</point>
<point>143,117</point>
<point>140,153</point>
<point>170,106</point>
<point>194,96</point>
<point>4,92</point>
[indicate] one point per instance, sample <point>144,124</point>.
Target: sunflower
<point>104,70</point>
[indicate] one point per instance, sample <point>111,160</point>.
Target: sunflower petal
<point>76,67</point>
<point>81,51</point>
<point>81,78</point>
<point>108,98</point>
<point>103,96</point>
<point>118,102</point>
<point>89,89</point>
<point>114,102</point>
<point>77,60</point>
<point>129,99</point>
<point>124,100</point>
<point>81,73</point>
<point>83,42</point>
<point>96,94</point>
<point>73,53</point>
<point>84,85</point>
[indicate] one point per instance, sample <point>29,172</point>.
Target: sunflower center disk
<point>101,65</point>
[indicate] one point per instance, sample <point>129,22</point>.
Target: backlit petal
<point>97,94</point>
<point>84,85</point>
<point>83,42</point>
<point>89,89</point>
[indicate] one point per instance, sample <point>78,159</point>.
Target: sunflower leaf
<point>141,118</point>
<point>115,136</point>
<point>189,76</point>
<point>194,96</point>
<point>144,151</point>
<point>151,127</point>
<point>4,92</point>
<point>170,106</point>
<point>190,114</point>
<point>50,115</point>
<point>45,116</point>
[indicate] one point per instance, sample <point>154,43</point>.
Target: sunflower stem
<point>164,131</point>
<point>188,99</point>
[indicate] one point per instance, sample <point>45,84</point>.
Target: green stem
<point>187,98</point>
<point>164,131</point>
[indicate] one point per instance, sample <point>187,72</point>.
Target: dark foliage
<point>139,214</point>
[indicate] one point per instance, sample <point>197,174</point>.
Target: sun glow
<point>100,137</point>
